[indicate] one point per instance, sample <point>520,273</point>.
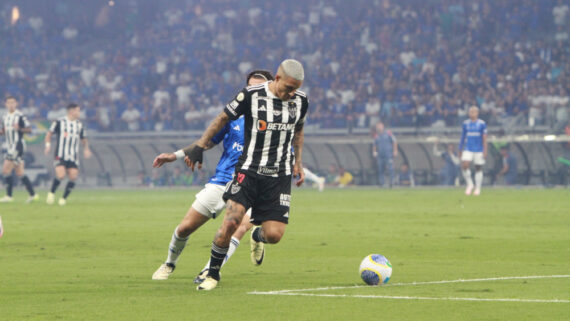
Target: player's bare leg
<point>7,169</point>
<point>467,175</point>
<point>27,183</point>
<point>269,232</point>
<point>72,174</point>
<point>190,223</point>
<point>234,243</point>
<point>478,179</point>
<point>59,175</point>
<point>234,215</point>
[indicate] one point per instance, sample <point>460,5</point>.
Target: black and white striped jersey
<point>269,127</point>
<point>15,143</point>
<point>68,133</point>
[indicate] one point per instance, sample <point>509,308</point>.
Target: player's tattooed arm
<point>194,152</point>
<point>298,139</point>
<point>215,126</point>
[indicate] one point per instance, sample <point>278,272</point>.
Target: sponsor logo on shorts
<point>267,170</point>
<point>286,215</point>
<point>285,200</point>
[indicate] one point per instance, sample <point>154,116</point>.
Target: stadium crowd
<point>148,65</point>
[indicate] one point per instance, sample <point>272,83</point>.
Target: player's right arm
<point>171,157</point>
<point>233,110</point>
<point>53,128</point>
<point>462,140</point>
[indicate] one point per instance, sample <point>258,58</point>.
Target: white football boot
<point>257,249</point>
<point>164,272</point>
<point>208,284</point>
<point>50,198</point>
<point>6,199</point>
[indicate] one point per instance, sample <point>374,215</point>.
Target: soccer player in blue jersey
<point>473,148</point>
<point>209,202</point>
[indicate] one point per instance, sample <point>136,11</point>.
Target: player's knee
<point>272,236</point>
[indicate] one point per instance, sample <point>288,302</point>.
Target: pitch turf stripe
<point>501,278</point>
<point>410,297</point>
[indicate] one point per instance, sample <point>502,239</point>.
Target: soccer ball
<point>375,269</point>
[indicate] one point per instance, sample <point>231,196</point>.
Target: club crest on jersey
<point>292,106</point>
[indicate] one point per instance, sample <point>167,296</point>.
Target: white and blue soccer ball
<point>375,269</point>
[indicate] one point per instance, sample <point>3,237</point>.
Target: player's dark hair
<point>10,97</point>
<point>72,105</point>
<point>259,74</point>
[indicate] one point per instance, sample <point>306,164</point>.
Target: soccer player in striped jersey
<point>209,202</point>
<point>274,114</point>
<point>473,148</point>
<point>14,126</point>
<point>69,132</point>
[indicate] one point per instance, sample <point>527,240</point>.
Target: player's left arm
<point>298,139</point>
<point>86,150</point>
<point>24,125</point>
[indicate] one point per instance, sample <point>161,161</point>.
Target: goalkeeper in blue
<point>473,148</point>
<point>209,203</point>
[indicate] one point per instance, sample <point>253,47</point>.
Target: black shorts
<point>67,164</point>
<point>268,197</point>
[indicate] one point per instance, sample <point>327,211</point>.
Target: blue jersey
<point>472,135</point>
<point>385,144</point>
<point>232,135</point>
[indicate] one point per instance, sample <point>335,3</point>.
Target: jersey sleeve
<point>239,105</point>
<point>54,128</point>
<point>304,110</point>
<point>220,135</point>
<point>83,133</point>
<point>23,122</point>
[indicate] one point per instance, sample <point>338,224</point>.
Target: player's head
<point>289,78</point>
<point>259,76</point>
<point>73,111</point>
<point>379,127</point>
<point>11,103</point>
<point>473,112</point>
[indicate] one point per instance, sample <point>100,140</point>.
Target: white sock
<point>311,176</point>
<point>467,176</point>
<point>478,179</point>
<point>234,243</point>
<point>175,248</point>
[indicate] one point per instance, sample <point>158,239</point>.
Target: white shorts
<point>475,157</point>
<point>209,201</point>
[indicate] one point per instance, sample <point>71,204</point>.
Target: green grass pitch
<point>93,259</point>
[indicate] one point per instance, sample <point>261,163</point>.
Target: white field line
<point>410,297</point>
<point>501,278</point>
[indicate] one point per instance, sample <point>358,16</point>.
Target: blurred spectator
<point>344,178</point>
<point>132,118</point>
<point>509,170</point>
<point>450,170</point>
<point>409,62</point>
<point>405,176</point>
<point>385,149</point>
